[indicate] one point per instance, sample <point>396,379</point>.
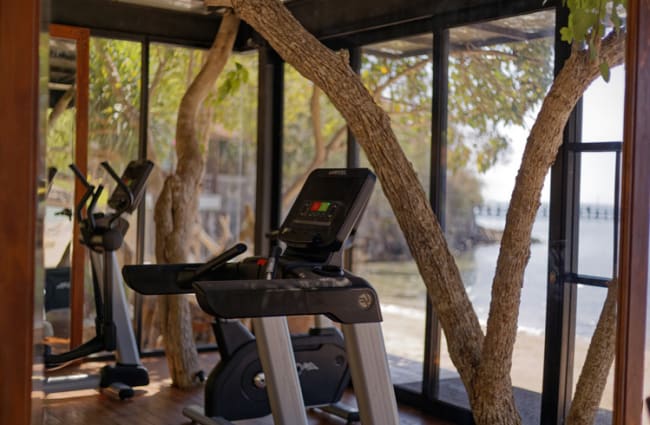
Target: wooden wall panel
<point>635,214</point>
<point>19,136</point>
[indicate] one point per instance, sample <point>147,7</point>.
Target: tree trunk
<point>371,126</point>
<point>600,357</point>
<point>484,363</point>
<point>176,208</point>
<point>543,143</point>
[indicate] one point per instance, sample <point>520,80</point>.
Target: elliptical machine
<point>103,234</point>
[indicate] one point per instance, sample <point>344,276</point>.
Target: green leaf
<point>567,34</point>
<point>583,23</point>
<point>243,73</point>
<point>604,71</point>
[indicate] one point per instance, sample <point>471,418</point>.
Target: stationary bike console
<point>326,211</point>
<point>308,280</point>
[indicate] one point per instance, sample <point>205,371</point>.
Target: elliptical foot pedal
<point>197,415</point>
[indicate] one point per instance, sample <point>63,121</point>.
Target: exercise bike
<point>266,372</point>
<point>103,235</point>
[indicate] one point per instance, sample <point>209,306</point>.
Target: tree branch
<point>314,107</point>
<point>320,153</point>
<point>541,150</point>
<point>336,141</point>
<point>61,106</point>
<point>157,77</point>
<point>481,53</point>
<point>416,66</point>
<point>194,97</point>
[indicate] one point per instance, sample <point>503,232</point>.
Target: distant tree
<point>114,110</point>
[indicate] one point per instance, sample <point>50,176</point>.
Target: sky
<point>602,121</point>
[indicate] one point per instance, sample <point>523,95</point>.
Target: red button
<point>315,206</point>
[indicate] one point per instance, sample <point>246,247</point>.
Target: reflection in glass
<point>59,201</point>
<point>499,72</point>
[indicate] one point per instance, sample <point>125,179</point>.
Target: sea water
<point>402,291</point>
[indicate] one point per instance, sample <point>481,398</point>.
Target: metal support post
<point>279,366</point>
<point>364,345</point>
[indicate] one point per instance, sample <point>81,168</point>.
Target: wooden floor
<point>160,404</point>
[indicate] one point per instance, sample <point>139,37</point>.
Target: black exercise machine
<point>259,374</point>
<point>103,235</point>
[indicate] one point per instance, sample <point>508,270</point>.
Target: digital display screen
<point>320,206</point>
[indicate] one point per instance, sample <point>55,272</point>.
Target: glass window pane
<point>496,85</point>
<point>114,123</point>
<point>597,224</point>
<point>399,74</point>
<point>314,134</point>
<point>227,125</point>
<point>171,70</point>
<point>602,109</point>
<point>58,226</point>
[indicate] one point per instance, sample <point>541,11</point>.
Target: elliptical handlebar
<point>82,178</point>
<point>90,193</point>
<point>124,187</point>
<point>124,199</point>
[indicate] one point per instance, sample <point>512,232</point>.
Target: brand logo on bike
<point>306,367</point>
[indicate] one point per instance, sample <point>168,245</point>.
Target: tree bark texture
<point>176,209</point>
<point>483,362</point>
<point>542,146</point>
<point>598,362</point>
